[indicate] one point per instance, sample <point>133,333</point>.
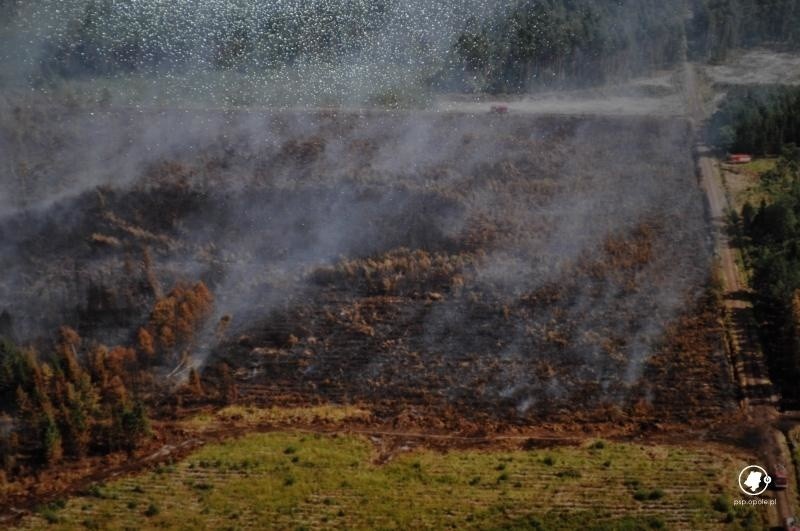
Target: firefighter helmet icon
<point>754,480</point>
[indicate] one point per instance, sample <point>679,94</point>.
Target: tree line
<point>766,121</point>
<point>523,44</point>
<point>77,397</point>
<point>110,37</point>
<point>585,42</point>
<point>758,120</point>
<point>718,26</point>
<point>556,42</point>
<point>68,402</point>
<point>769,235</point>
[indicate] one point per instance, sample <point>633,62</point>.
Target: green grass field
<point>296,481</point>
<point>757,189</point>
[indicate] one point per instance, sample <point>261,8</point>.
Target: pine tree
<point>67,353</point>
<point>227,387</point>
<point>51,448</point>
<point>129,427</point>
<point>194,384</point>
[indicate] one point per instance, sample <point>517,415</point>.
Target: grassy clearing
<point>275,415</point>
<point>760,165</point>
<point>743,182</point>
<point>748,184</point>
<point>294,481</point>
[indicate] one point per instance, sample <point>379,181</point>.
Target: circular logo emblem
<point>754,480</point>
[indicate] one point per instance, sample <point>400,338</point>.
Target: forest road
<point>759,397</point>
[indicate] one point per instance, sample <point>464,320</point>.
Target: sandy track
<point>759,396</point>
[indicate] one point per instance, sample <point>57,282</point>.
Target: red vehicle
<point>780,479</point>
<point>739,158</point>
<point>499,109</point>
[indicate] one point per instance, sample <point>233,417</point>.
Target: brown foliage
<point>194,385</point>
<point>177,317</point>
<point>97,365</point>
<point>633,252</point>
<point>121,360</point>
<point>145,342</point>
<point>67,349</point>
<point>399,271</point>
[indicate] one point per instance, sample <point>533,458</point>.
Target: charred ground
<point>449,267</point>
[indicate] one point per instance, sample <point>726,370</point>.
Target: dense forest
<point>766,121</point>
<point>770,237</point>
<point>553,42</point>
<point>515,46</point>
<point>77,398</point>
<point>719,26</point>
<point>117,36</point>
<point>64,408</point>
<point>758,120</point>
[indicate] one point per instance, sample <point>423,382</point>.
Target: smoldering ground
<point>514,260</point>
<point>521,263</point>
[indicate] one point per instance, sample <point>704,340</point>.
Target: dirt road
<point>751,367</point>
<point>759,396</point>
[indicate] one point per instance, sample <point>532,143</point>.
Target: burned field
<point>450,270</point>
